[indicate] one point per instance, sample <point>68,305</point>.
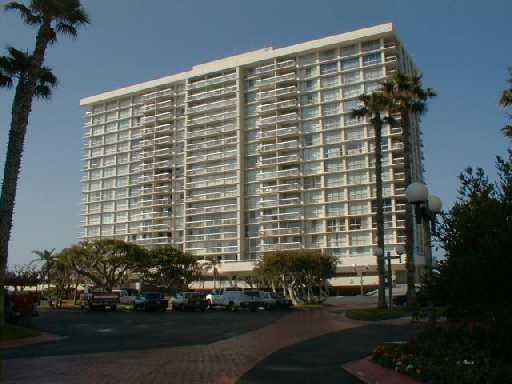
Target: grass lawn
<point>66,304</point>
<point>375,314</point>
<point>12,332</point>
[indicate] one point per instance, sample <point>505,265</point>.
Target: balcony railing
<point>212,106</point>
<point>280,188</point>
<point>281,231</point>
<point>280,202</point>
<point>213,183</point>
<point>216,80</point>
<point>214,130</point>
<point>275,106</point>
<point>274,175</point>
<point>278,119</point>
<point>292,144</point>
<point>215,93</point>
<point>210,170</point>
<point>212,118</point>
<point>278,133</point>
<point>276,92</point>
<point>212,143</point>
<point>275,79</point>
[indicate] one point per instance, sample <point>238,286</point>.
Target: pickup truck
<point>93,298</point>
<point>126,296</point>
<point>189,301</point>
<point>231,299</point>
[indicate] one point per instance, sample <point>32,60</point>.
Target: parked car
<point>126,295</point>
<point>149,301</point>
<point>19,305</point>
<point>231,298</point>
<point>189,301</point>
<point>94,297</point>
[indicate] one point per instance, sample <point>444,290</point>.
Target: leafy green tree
<point>21,276</point>
<point>47,258</point>
<point>168,268</point>
<point>506,102</point>
<point>474,279</point>
<point>376,107</point>
<point>410,99</point>
<point>302,274</point>
<point>105,263</point>
<point>52,17</point>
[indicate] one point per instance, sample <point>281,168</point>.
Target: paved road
<point>92,332</point>
<point>319,360</point>
<point>210,348</point>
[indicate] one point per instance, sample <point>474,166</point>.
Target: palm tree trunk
<point>409,233</point>
<point>377,125</point>
<point>21,108</point>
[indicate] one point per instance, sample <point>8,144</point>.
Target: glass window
<point>371,45</point>
<point>374,73</point>
<point>331,109</point>
<point>331,81</point>
<point>349,50</point>
<point>333,166</point>
<point>328,68</point>
<point>350,64</point>
<point>335,195</point>
<point>352,91</point>
<point>332,122</point>
<point>330,95</point>
<point>310,112</point>
<point>351,77</point>
<point>372,58</point>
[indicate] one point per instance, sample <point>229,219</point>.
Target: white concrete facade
<point>253,153</point>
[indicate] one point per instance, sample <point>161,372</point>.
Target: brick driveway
<point>220,362</point>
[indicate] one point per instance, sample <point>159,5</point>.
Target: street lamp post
<point>399,251</point>
<point>426,207</point>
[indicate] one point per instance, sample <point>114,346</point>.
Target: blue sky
<point>462,46</point>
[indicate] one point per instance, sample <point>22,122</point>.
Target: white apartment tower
<point>253,153</point>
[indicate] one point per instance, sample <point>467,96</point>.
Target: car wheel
<point>209,304</point>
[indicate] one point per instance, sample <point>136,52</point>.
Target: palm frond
<point>66,29</point>
<point>43,91</point>
<point>47,77</point>
<point>25,13</point>
<point>5,81</point>
<point>507,131</point>
<point>506,98</point>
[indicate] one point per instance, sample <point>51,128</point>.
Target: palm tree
<point>409,98</point>
<point>52,17</point>
<point>375,106</point>
<point>48,258</point>
<point>505,102</point>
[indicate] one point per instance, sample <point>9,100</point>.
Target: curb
<point>371,373</point>
<point>42,338</point>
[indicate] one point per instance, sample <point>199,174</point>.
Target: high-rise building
<point>253,153</point>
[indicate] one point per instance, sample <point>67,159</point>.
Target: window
<point>349,50</point>
<point>355,148</point>
<point>311,139</point>
<point>335,225</point>
<point>360,238</point>
<point>349,106</point>
<point>311,126</point>
<point>356,163</point>
<point>372,87</point>
<point>328,55</point>
<point>374,73</point>
<point>354,134</point>
<point>332,137</point>
<point>308,99</point>
<point>351,77</point>
<point>333,151</point>
<point>372,58</point>
<point>350,64</point>
<point>309,59</point>
<point>331,81</point>
<point>331,109</point>
<point>309,85</point>
<point>312,168</point>
<point>330,95</point>
<point>352,91</point>
<point>312,154</point>
<point>333,166</point>
<point>332,122</point>
<point>313,197</point>
<point>354,223</point>
<point>358,193</point>
<point>370,45</point>
<point>314,211</point>
<point>335,195</point>
<point>308,72</point>
<point>310,112</point>
<point>357,178</point>
<point>328,68</point>
<point>335,209</point>
<point>311,182</point>
<point>334,180</point>
<point>358,208</point>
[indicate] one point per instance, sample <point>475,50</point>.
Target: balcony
<point>281,216</point>
<point>275,80</point>
<point>210,223</point>
<point>213,156</point>
<point>213,236</point>
<point>213,183</point>
<point>289,117</point>
<point>280,246</point>
<point>215,93</point>
<point>214,209</point>
<point>280,188</point>
<point>278,174</point>
<point>281,132</point>
<point>212,118</point>
<point>278,160</point>
<point>278,203</point>
<point>280,231</point>
<point>277,92</point>
<point>211,131</point>
<point>212,196</point>
<point>215,80</point>
<point>210,170</point>
<point>292,144</point>
<point>271,67</point>
<point>212,143</point>
<point>155,202</point>
<point>212,106</point>
<point>276,106</point>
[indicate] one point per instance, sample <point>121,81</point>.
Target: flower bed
<point>449,355</point>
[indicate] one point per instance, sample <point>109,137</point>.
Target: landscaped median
<point>11,332</point>
<point>441,354</point>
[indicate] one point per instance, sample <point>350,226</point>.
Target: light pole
<point>399,251</point>
<point>426,207</point>
<point>361,277</point>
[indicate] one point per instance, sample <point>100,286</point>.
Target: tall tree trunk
<point>377,125</point>
<point>409,233</point>
<point>21,108</point>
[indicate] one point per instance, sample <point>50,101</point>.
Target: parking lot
<point>105,331</point>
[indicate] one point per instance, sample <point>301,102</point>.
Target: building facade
<point>254,153</point>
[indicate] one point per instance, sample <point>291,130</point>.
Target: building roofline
<point>242,59</point>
